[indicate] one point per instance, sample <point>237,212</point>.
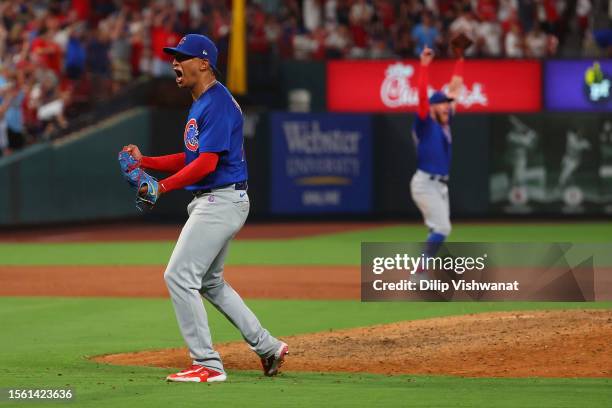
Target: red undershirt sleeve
<point>458,70</point>
<point>423,108</point>
<point>169,164</point>
<point>205,164</point>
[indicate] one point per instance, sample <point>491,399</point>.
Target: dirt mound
<point>573,343</point>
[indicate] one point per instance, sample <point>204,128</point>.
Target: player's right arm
<point>171,163</point>
<point>423,82</point>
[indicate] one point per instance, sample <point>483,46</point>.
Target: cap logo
<point>182,40</point>
<point>204,52</point>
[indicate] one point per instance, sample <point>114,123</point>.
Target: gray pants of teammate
<point>196,269</point>
<point>431,197</point>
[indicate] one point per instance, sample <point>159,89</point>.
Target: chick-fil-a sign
<point>390,86</point>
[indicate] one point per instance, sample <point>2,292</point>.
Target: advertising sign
<point>552,163</point>
<point>391,86</point>
<point>580,85</point>
<point>321,163</point>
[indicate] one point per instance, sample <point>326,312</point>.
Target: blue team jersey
<point>433,143</point>
<point>214,125</point>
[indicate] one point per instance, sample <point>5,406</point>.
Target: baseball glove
<point>145,200</point>
<point>129,168</point>
<point>138,179</point>
<point>460,43</point>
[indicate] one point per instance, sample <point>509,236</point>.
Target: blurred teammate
<point>432,136</point>
<point>213,168</point>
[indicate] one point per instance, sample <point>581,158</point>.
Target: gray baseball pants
<point>431,197</point>
<point>196,269</point>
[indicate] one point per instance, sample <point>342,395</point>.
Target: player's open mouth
<point>179,75</point>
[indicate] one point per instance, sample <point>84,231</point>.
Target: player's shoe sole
<point>197,373</point>
<point>272,364</point>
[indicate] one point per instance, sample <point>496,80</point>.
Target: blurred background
<point>328,91</point>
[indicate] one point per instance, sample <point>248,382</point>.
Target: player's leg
<point>198,245</point>
<point>216,290</point>
<point>431,197</point>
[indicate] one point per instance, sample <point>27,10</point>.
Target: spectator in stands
<point>513,43</point>
<point>120,51</point>
<point>467,24</point>
<point>360,16</point>
<point>548,15</point>
<point>489,37</point>
<point>384,13</point>
<point>163,35</point>
<point>508,12</point>
<point>93,47</point>
<point>583,13</point>
<point>425,34</point>
<point>338,42</point>
<point>74,58</point>
<point>312,12</point>
<point>49,102</point>
<point>4,104</point>
<point>97,53</point>
<point>536,43</point>
<point>403,44</point>
<point>45,50</point>
<point>14,117</point>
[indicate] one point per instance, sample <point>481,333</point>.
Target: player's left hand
<point>134,151</point>
<point>148,192</point>
<point>129,168</point>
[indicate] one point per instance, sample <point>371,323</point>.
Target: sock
<point>434,241</point>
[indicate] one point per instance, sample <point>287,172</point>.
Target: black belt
<point>441,179</point>
<point>242,185</point>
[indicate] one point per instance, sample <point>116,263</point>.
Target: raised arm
<point>456,82</point>
<point>423,82</point>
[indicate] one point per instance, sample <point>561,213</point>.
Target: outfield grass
<point>45,342</point>
<point>332,249</point>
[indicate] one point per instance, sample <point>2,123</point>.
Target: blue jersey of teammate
<point>433,143</point>
<point>214,125</point>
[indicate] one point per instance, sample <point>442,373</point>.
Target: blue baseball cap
<point>439,97</point>
<point>197,46</point>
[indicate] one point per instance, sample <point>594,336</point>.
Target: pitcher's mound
<point>573,343</point>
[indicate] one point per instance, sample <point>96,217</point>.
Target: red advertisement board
<point>390,86</point>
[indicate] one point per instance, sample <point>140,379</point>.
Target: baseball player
<point>432,137</point>
<point>214,169</point>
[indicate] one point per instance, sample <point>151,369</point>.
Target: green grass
<point>332,249</point>
<point>44,342</point>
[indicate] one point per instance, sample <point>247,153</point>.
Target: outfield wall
<point>544,164</point>
<point>73,179</point>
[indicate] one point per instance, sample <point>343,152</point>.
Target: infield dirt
<point>572,343</point>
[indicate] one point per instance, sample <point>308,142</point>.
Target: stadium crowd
<point>58,57</point>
